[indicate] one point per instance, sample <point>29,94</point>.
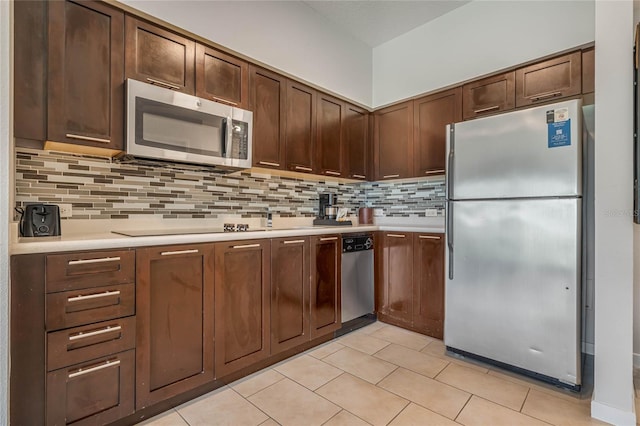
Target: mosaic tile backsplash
<point>101,189</point>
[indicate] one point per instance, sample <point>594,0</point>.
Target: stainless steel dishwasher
<point>357,276</point>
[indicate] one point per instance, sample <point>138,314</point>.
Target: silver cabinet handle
<point>224,101</point>
<point>545,96</point>
<point>84,371</point>
<point>93,296</point>
<point>246,246</point>
<point>173,253</point>
<point>359,176</point>
<point>491,108</point>
<point>99,260</point>
<point>306,169</point>
<point>433,172</point>
<point>87,138</point>
<point>83,335</point>
<point>329,172</point>
<point>163,84</point>
<point>396,235</point>
<point>293,242</point>
<point>428,237</point>
<point>390,176</point>
<point>328,239</point>
<point>268,163</point>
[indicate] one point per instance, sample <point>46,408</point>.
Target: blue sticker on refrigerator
<point>559,134</point>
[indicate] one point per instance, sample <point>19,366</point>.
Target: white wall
<point>613,397</point>
<point>476,39</point>
<point>284,34</point>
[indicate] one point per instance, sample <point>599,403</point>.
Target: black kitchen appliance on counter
<point>40,220</point>
<point>328,211</point>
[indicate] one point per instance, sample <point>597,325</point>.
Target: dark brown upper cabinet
<point>300,127</point>
<point>393,141</point>
<point>85,71</point>
<point>588,70</point>
<point>489,96</point>
<point>431,115</point>
<point>329,150</point>
<point>549,80</point>
<point>221,77</point>
<point>355,140</point>
<point>158,56</point>
<point>268,103</point>
<point>326,303</point>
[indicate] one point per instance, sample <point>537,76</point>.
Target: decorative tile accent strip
<point>100,189</point>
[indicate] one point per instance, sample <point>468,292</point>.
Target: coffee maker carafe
<point>328,211</point>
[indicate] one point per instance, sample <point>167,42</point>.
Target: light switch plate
<point>431,212</point>
<point>66,210</point>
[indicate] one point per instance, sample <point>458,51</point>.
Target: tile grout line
<point>390,373</point>
<point>183,419</point>
<point>463,407</point>
<point>524,400</point>
<point>254,405</point>
<point>400,412</point>
<point>519,412</point>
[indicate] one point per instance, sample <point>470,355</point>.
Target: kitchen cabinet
<point>326,255</point>
<point>355,139</point>
<point>242,304</point>
<point>396,281</point>
<point>431,115</point>
<point>329,148</point>
<point>489,95</point>
<point>289,293</point>
<point>300,127</point>
<point>549,80</point>
<point>221,77</point>
<point>158,56</point>
<point>85,74</point>
<point>393,141</point>
<point>588,70</point>
<point>428,284</point>
<point>268,91</point>
<point>175,301</point>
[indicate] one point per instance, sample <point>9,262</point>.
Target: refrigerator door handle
<point>449,235</point>
<point>449,174</point>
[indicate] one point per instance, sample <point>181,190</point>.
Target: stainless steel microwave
<point>167,125</point>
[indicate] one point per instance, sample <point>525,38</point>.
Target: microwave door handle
<point>228,137</point>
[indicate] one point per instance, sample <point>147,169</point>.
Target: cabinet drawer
<point>97,392</point>
<point>87,306</point>
<point>75,345</point>
<point>91,269</point>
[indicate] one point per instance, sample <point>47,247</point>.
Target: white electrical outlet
<point>378,212</point>
<point>431,212</point>
<point>66,210</point>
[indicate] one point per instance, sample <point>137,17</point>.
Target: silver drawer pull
<point>163,84</point>
<point>246,246</point>
<point>93,296</point>
<point>87,138</point>
<point>294,242</point>
<point>433,172</point>
<point>491,108</point>
<point>395,235</point>
<point>83,335</point>
<point>329,172</point>
<point>225,101</point>
<point>100,260</point>
<point>428,237</point>
<point>306,169</point>
<point>82,372</point>
<point>172,253</point>
<point>545,96</point>
<point>328,239</point>
<point>268,163</point>
<point>390,176</point>
<point>359,176</point>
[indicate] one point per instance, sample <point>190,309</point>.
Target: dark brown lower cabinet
<point>174,351</point>
<point>396,290</point>
<point>242,314</point>
<point>289,293</point>
<point>326,305</point>
<point>428,284</point>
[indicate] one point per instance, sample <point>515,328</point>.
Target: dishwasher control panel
<point>351,243</point>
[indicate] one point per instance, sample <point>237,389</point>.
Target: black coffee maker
<point>328,211</point>
<point>39,220</point>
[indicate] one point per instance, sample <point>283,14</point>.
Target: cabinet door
<point>158,56</point>
<point>86,89</point>
<point>268,92</point>
<point>174,351</point>
<point>588,70</point>
<point>549,80</point>
<point>289,293</point>
<point>393,141</point>
<point>489,96</point>
<point>329,150</point>
<point>326,271</point>
<point>356,143</point>
<point>431,116</point>
<point>428,284</point>
<point>221,77</point>
<point>242,311</point>
<point>397,277</point>
<point>300,127</point>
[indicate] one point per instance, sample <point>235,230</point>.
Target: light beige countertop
<point>97,235</point>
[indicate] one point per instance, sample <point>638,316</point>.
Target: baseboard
<point>612,415</point>
<point>588,348</point>
<point>636,360</point>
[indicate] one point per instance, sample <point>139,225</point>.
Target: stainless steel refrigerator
<point>514,226</point>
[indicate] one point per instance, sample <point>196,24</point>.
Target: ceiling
<point>377,21</point>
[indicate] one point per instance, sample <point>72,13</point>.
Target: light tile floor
<point>382,375</point>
